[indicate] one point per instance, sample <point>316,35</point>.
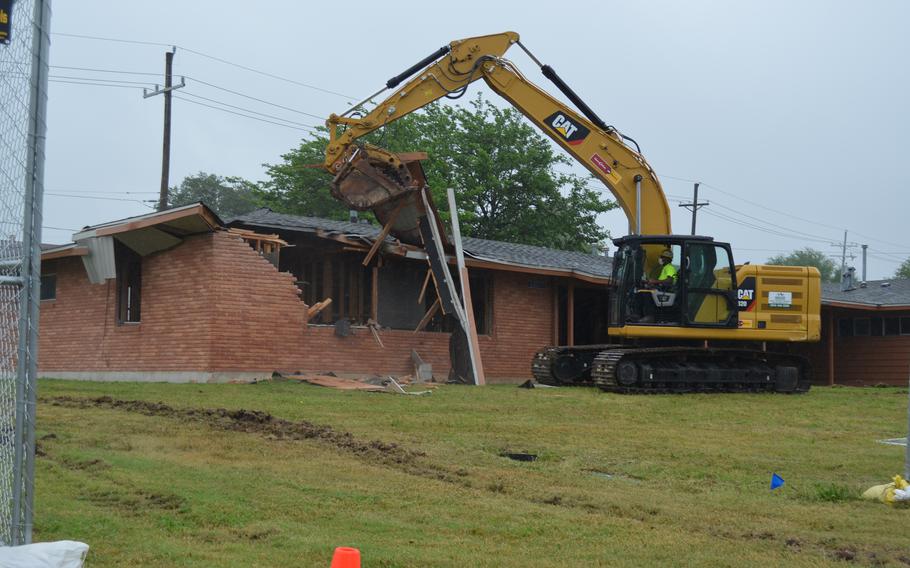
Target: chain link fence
<point>23,95</point>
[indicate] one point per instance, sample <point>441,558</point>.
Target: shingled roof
<point>512,254</point>
<point>876,293</point>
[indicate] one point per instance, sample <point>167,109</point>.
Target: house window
<point>877,327</point>
<point>905,326</point>
<point>482,301</point>
<point>845,327</point>
<point>48,286</point>
<point>892,326</point>
<point>862,327</point>
<point>129,284</point>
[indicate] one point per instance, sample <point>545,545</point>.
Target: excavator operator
<point>663,277</point>
<point>664,274</point>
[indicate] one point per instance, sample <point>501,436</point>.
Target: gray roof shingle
<point>482,249</point>
<point>885,293</point>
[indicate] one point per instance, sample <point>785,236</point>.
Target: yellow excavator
<point>683,316</point>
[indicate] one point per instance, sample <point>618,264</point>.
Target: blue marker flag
<point>776,481</point>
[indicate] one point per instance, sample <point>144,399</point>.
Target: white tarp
<point>60,554</point>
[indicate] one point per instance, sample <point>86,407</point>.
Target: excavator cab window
<point>695,290</point>
<point>710,285</point>
<point>648,289</point>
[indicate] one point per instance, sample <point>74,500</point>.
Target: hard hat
<point>668,254</point>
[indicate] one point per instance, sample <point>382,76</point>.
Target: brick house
<point>183,296</point>
<point>180,296</point>
<point>865,334</point>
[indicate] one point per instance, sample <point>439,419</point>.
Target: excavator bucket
<point>370,176</point>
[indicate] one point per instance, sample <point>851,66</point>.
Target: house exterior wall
<point>79,329</point>
<point>859,360</point>
<point>214,310</point>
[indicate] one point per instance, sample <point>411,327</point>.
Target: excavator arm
<point>600,148</point>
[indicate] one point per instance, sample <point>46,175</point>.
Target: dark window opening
<point>590,315</point>
<point>129,284</point>
<point>48,286</point>
<point>481,283</point>
<point>877,327</point>
<point>342,278</point>
<point>862,327</point>
<point>905,326</point>
<point>845,327</point>
<point>892,326</point>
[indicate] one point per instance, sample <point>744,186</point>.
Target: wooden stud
<point>423,289</point>
<point>327,280</point>
<point>374,307</point>
<point>383,234</point>
<point>555,285</point>
<point>570,316</point>
<point>831,332</point>
<point>428,316</point>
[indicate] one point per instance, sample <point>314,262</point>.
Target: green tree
<point>903,271</point>
<point>507,177</point>
<point>227,196</point>
<point>809,257</point>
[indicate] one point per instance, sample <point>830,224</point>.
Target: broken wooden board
<point>317,307</point>
<point>336,382</point>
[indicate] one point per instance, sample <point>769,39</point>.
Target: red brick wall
<point>79,330</point>
<point>860,360</point>
<point>213,305</point>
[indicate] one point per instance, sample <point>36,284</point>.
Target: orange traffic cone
<point>345,557</point>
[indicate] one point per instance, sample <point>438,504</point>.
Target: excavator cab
<point>697,289</point>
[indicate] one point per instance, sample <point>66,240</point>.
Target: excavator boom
<point>359,168</point>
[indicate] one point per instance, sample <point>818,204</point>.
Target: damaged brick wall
<point>79,329</point>
<point>213,305</point>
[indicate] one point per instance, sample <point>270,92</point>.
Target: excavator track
<point>688,369</point>
<point>566,366</point>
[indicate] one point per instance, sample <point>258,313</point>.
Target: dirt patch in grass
<point>132,501</point>
<point>273,428</point>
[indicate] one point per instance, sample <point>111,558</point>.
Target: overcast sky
<point>794,114</point>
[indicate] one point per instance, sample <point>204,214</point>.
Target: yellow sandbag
<point>885,493</point>
<point>877,492</point>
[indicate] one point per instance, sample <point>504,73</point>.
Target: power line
<point>212,57</point>
<point>763,229</point>
<point>146,83</point>
<point>267,74</point>
<point>96,70</point>
<point>97,198</point>
<point>766,208</point>
<point>784,213</point>
<point>93,84</point>
<point>239,94</point>
<point>249,110</point>
<point>80,36</point>
<point>239,114</point>
<point>101,192</point>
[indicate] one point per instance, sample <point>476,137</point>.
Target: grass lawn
<point>419,481</point>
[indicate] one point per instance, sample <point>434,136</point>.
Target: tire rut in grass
<point>273,428</point>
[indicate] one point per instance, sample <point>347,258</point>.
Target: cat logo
<point>745,295</point>
<point>568,129</point>
<point>5,26</point>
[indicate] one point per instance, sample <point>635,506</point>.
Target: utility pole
<point>843,255</point>
<point>694,206</point>
<point>864,261</point>
<point>166,145</point>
